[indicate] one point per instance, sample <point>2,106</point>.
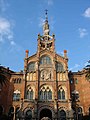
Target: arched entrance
<point>62,115</point>
<point>28,115</point>
<point>45,114</point>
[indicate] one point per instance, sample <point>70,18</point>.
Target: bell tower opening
<point>46,114</point>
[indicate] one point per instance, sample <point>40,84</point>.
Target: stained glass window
<point>30,94</point>
<point>59,67</point>
<point>50,94</point>
<point>45,60</point>
<point>31,67</point>
<point>61,94</point>
<point>46,94</point>
<point>16,95</point>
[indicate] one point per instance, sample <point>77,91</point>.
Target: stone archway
<point>45,114</point>
<point>28,115</point>
<point>62,114</point>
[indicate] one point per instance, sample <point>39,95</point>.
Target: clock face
<point>45,75</point>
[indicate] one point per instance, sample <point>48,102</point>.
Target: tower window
<point>45,60</point>
<point>16,95</point>
<point>46,94</point>
<point>31,67</point>
<point>30,94</point>
<point>61,94</point>
<point>16,80</point>
<point>59,67</point>
<point>71,81</point>
<point>76,80</point>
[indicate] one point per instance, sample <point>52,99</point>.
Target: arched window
<point>45,93</point>
<point>45,60</point>
<point>49,94</point>
<point>59,67</point>
<point>30,94</point>
<point>41,95</point>
<point>61,94</point>
<point>16,95</point>
<point>18,80</point>
<point>31,67</point>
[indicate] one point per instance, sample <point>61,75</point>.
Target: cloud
<point>50,2</point>
<point>87,63</point>
<point>12,43</point>
<point>52,22</point>
<point>3,5</point>
<point>87,13</point>
<point>41,21</point>
<point>30,21</point>
<point>75,67</point>
<point>17,48</point>
<point>6,25</point>
<point>82,32</point>
<point>6,32</point>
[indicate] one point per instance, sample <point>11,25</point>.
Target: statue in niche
<point>46,75</point>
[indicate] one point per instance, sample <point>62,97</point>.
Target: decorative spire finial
<point>46,25</point>
<point>46,14</point>
<point>46,11</point>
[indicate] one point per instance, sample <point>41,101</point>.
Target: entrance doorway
<point>62,115</point>
<point>45,114</point>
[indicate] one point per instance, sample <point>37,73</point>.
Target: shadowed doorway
<point>46,113</point>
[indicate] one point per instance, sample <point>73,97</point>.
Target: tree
<point>4,75</point>
<point>87,68</point>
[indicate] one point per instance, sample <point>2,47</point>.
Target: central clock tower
<point>46,80</point>
<point>46,42</point>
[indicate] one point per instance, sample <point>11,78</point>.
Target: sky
<point>22,20</point>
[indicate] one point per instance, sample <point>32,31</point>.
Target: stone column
<point>56,109</point>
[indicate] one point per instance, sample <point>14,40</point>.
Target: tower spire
<point>46,14</point>
<point>46,25</point>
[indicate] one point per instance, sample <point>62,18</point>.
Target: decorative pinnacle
<point>27,51</point>
<point>46,25</point>
<point>65,51</point>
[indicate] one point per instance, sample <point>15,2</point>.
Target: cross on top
<point>46,11</point>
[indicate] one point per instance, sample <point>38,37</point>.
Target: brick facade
<point>44,88</point>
